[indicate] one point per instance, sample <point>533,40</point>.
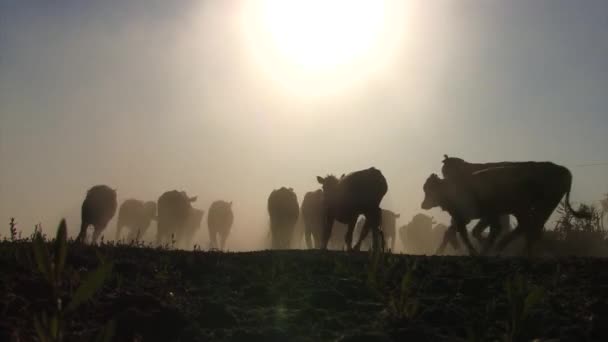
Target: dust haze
<point>170,97</point>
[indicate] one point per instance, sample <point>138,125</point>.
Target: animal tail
<point>582,214</point>
<point>83,232</point>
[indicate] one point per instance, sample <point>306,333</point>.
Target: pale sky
<point>148,96</point>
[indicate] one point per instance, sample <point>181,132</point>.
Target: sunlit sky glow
<point>214,97</point>
<point>320,48</point>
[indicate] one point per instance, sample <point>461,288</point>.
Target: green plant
<point>522,297</point>
<point>402,303</point>
<point>50,326</point>
<point>13,229</point>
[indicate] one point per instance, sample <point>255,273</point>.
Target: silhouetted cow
<point>192,226</point>
<point>174,209</point>
<point>529,192</point>
<point>98,208</point>
<point>219,222</point>
<point>389,227</point>
<point>313,215</point>
<point>358,193</point>
<point>417,235</point>
<point>458,170</point>
<point>284,210</point>
<point>136,215</point>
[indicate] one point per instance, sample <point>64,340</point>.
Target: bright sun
<point>316,45</point>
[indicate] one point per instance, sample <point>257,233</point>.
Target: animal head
<point>422,219</point>
<point>432,188</point>
<point>329,183</point>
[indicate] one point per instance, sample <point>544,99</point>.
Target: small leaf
<point>107,333</point>
<point>93,282</point>
<point>61,248</point>
<point>42,258</point>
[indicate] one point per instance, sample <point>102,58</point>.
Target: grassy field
<point>163,295</point>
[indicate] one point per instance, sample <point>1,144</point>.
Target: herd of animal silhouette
<point>489,192</point>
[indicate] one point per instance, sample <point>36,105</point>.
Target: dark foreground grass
<point>161,295</point>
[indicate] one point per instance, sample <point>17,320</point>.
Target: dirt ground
<point>161,295</point>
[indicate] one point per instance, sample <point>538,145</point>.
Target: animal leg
<point>213,238</point>
<point>495,229</point>
<point>97,232</point>
<point>464,235</point>
<point>329,222</point>
<point>119,226</point>
<point>521,223</point>
<point>372,221</point>
<point>348,238</point>
<point>83,232</point>
<point>308,236</point>
<point>224,237</point>
<point>479,228</point>
<point>449,237</point>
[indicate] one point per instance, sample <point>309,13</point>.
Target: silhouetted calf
<point>284,210</point>
<point>136,215</point>
<point>174,210</point>
<point>358,193</point>
<point>98,208</point>
<point>219,222</point>
<point>530,193</point>
<point>313,215</point>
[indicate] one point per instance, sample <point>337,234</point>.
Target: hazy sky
<point>148,96</point>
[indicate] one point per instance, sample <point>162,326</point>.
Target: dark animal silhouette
<point>389,227</point>
<point>458,170</point>
<point>136,215</point>
<point>417,235</point>
<point>192,226</point>
<point>219,222</point>
<point>448,237</point>
<point>313,215</point>
<point>530,193</point>
<point>98,208</point>
<point>174,210</point>
<point>284,211</point>
<point>358,193</point>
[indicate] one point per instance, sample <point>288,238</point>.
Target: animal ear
<point>445,157</point>
<point>344,174</point>
<point>320,179</point>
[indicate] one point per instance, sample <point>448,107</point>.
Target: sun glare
<point>318,34</point>
<point>312,45</point>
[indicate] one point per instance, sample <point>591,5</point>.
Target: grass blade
<point>41,254</point>
<point>93,282</point>
<point>61,248</point>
